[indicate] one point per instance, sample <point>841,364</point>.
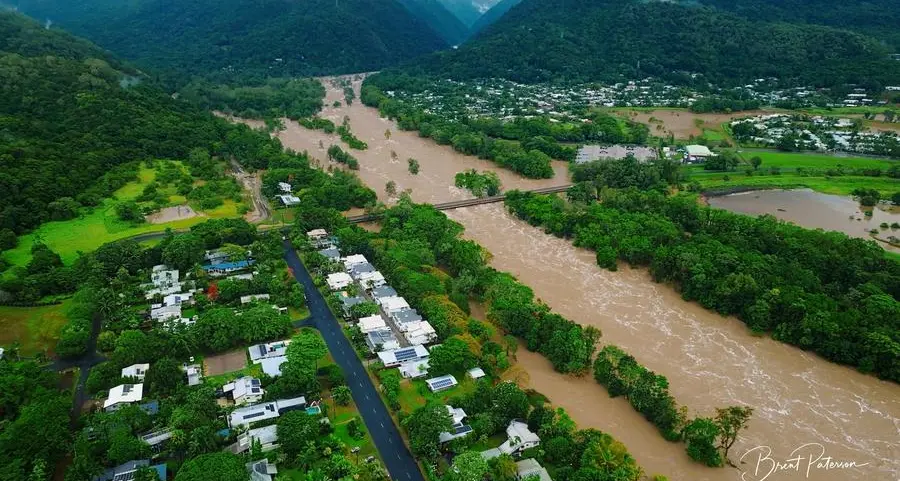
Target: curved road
<point>396,456</point>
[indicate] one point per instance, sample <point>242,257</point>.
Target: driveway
<point>399,461</point>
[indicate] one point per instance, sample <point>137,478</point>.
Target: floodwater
<point>710,361</point>
<point>814,210</point>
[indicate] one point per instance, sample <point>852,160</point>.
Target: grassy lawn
<point>298,314</point>
<point>414,393</point>
<point>101,225</point>
<point>36,328</point>
<point>788,160</point>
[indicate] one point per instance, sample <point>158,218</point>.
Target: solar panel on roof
<point>405,354</point>
<point>442,383</point>
<point>254,382</point>
<point>126,389</point>
<point>463,429</point>
<point>254,415</point>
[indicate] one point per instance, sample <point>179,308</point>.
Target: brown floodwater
<point>814,210</point>
<point>710,361</point>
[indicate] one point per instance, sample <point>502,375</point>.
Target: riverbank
<point>710,361</point>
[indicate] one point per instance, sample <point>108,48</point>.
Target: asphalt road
<point>399,461</point>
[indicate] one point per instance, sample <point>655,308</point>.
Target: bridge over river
<point>457,204</point>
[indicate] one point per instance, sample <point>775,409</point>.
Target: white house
<point>331,253</point>
<point>123,394</point>
<point>441,383</point>
<point>391,304</point>
<point>136,371</point>
<point>272,365</point>
<point>396,357</point>
<point>254,297</point>
<point>383,291</point>
<point>338,280</point>
<point>459,429</point>
<point>178,299</point>
<point>289,200</point>
<point>194,373</point>
<point>697,153</point>
<point>371,279</point>
<point>164,313</point>
<point>259,352</point>
<point>316,234</point>
<point>354,260</point>
<point>284,187</point>
<point>530,468</point>
<point>161,276</point>
<point>382,340</point>
<point>261,412</point>
<point>421,333</point>
<point>405,318</point>
<point>266,436</point>
<point>414,369</point>
<point>475,373</point>
<point>371,323</point>
<point>244,390</point>
<point>519,437</point>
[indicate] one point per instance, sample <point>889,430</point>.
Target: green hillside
<point>441,20</point>
<point>228,40</point>
<point>612,40</point>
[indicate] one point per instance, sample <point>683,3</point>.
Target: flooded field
<point>682,123</point>
<point>709,360</point>
<point>813,210</point>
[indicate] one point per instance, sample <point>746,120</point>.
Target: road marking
<point>367,397</point>
<point>408,476</point>
<point>398,455</point>
<point>391,440</point>
<point>382,425</point>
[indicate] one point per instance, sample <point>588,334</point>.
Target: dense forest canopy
<point>243,39</point>
<point>69,115</point>
<point>614,40</point>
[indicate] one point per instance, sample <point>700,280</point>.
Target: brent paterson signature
<point>806,459</point>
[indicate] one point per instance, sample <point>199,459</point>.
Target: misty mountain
<point>494,14</point>
<point>436,15</point>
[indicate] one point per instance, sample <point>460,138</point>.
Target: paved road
<point>399,461</point>
<point>84,363</point>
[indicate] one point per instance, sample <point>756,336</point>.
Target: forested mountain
<point>240,39</point>
<point>493,15</point>
<point>612,40</point>
<point>468,11</point>
<point>876,18</point>
<point>441,20</point>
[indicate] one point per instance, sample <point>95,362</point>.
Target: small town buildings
<point>242,277</point>
<point>441,383</point>
<point>382,340</point>
<point>348,302</point>
<point>356,270</point>
<point>371,279</point>
<point>244,390</point>
<point>284,187</point>
<point>194,374</point>
<point>179,299</point>
<point>459,429</point>
<point>396,357</point>
<point>289,200</point>
<point>258,352</point>
<point>354,260</point>
<point>157,439</point>
<point>260,412</point>
<point>391,304</point>
<point>123,394</point>
<point>414,369</point>
<point>317,234</point>
<point>519,438</point>
<point>383,291</point>
<point>475,373</point>
<point>254,297</point>
<point>262,470</point>
<point>338,281</point>
<point>590,153</point>
<point>126,471</point>
<point>163,277</point>
<point>405,318</point>
<point>331,253</point>
<point>225,268</point>
<point>216,257</point>
<point>530,468</point>
<point>137,371</point>
<point>697,153</point>
<point>420,333</point>
<point>272,365</point>
<point>165,313</point>
<point>371,323</point>
<point>266,436</point>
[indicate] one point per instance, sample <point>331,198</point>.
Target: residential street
<point>397,459</point>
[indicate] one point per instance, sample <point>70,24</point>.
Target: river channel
<point>710,361</point>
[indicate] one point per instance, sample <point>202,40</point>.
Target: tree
<point>8,239</point>
<point>363,309</point>
<point>164,377</point>
<point>219,466</point>
<point>183,251</point>
<point>390,188</point>
<point>424,426</point>
<point>756,161</point>
<point>295,430</point>
<point>469,466</point>
<point>387,134</point>
<point>341,395</point>
<point>129,211</point>
<point>731,421</point>
<point>503,468</point>
<point>700,436</point>
<point>412,166</point>
<point>453,356</point>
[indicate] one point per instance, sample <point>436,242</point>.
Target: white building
<point>396,357</point>
<point>194,374</point>
<point>254,297</point>
<point>178,299</point>
<point>338,281</point>
<point>260,412</point>
<point>123,394</point>
<point>519,437</point>
<point>459,429</point>
<point>383,291</point>
<point>414,369</point>
<point>371,323</point>
<point>354,260</point>
<point>244,390</point>
<point>371,279</point>
<point>391,304</point>
<point>697,153</point>
<point>272,365</point>
<point>164,313</point>
<point>475,373</point>
<point>317,234</point>
<point>382,340</point>
<point>284,187</point>
<point>259,352</point>
<point>420,333</point>
<point>136,371</point>
<point>405,318</point>
<point>441,383</point>
<point>289,200</point>
<point>266,436</point>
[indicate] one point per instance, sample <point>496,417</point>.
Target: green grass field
<point>35,328</point>
<point>101,225</point>
<point>415,393</point>
<point>789,178</point>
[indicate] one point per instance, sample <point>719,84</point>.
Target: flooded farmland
<point>814,210</point>
<point>709,360</point>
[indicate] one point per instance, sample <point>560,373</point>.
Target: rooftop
<point>402,355</point>
<point>384,291</point>
<point>124,393</point>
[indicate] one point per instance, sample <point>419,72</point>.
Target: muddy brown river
<point>710,361</point>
